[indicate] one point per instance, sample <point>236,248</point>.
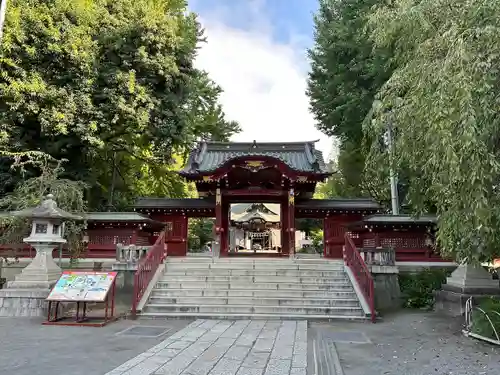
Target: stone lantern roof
<point>47,210</point>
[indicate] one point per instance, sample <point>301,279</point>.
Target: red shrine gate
<point>284,173</point>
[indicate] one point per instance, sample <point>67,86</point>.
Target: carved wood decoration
<point>302,179</point>
<point>254,165</point>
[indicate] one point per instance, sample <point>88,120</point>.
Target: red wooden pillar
<point>285,244</point>
<point>291,221</point>
<point>218,219</point>
<point>224,245</point>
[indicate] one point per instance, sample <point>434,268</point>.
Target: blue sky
<point>256,51</point>
<point>288,17</point>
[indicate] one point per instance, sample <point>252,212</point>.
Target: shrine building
<point>281,177</point>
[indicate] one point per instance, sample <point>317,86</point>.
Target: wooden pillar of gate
<point>224,242</point>
<point>285,244</point>
<point>218,223</point>
<point>291,221</point>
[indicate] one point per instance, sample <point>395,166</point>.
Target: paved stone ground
<point>406,344</point>
<point>403,344</point>
<point>27,347</point>
<point>213,347</point>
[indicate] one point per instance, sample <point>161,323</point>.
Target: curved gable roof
<point>299,156</point>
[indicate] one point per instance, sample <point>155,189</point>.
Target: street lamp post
<point>3,10</point>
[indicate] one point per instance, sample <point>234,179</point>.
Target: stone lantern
<point>37,278</point>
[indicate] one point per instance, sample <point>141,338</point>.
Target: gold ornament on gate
<point>291,197</point>
<point>218,199</point>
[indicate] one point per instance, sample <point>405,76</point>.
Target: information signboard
<point>82,286</point>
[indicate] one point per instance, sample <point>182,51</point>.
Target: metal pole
<point>393,177</point>
<point>113,183</point>
<point>3,11</point>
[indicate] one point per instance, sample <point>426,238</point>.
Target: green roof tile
<point>300,156</point>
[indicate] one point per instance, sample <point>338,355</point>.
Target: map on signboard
<point>82,286</point>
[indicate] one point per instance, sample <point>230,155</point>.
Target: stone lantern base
<point>25,296</point>
<point>465,282</point>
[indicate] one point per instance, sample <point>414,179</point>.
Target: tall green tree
<point>442,101</point>
<point>29,193</point>
<point>346,73</point>
<point>108,85</point>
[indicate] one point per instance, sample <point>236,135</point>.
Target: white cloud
<point>264,82</point>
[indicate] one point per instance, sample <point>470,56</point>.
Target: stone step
<point>252,301</point>
<point>248,309</point>
<point>269,288</point>
<point>289,293</point>
<point>257,266</point>
<point>253,279</point>
<point>200,259</point>
<point>255,285</point>
<point>251,272</point>
<point>191,315</point>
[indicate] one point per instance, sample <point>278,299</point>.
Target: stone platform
<point>23,302</point>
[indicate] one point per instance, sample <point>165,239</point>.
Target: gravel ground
<point>416,343</point>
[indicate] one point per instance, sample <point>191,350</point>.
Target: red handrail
<point>361,273</point>
<point>147,268</point>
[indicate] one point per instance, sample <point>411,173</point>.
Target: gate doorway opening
<point>255,229</point>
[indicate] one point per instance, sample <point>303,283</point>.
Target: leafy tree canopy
<point>442,100</point>
<point>110,86</point>
<point>30,192</point>
<point>346,73</point>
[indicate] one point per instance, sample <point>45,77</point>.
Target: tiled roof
<point>400,219</point>
<point>117,216</point>
<point>198,203</point>
<point>300,156</point>
<point>240,208</point>
<point>339,203</point>
<point>247,216</point>
<point>102,216</point>
<point>242,212</point>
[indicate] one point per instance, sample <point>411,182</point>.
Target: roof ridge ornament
<point>311,155</point>
<point>199,153</point>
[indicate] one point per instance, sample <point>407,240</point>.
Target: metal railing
<point>361,273</point>
<point>470,311</point>
<point>147,268</point>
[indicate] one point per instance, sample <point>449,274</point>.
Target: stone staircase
<point>200,287</point>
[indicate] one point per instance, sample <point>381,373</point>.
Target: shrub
<point>417,288</point>
<point>480,323</point>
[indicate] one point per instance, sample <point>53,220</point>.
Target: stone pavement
<point>416,343</point>
<point>27,347</point>
<point>214,347</point>
<point>406,343</point>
